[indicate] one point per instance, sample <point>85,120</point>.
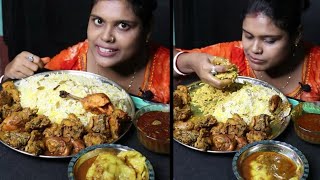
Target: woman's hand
<point>23,65</point>
<point>201,64</point>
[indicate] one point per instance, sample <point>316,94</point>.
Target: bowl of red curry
<point>270,160</point>
<point>307,123</point>
<point>153,127</point>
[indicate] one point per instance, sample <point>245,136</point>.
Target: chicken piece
<point>203,141</point>
<point>15,139</point>
<point>180,125</point>
<point>10,88</point>
<point>114,120</point>
<point>261,123</point>
<point>58,146</point>
<point>181,96</point>
<point>274,102</point>
<point>186,137</point>
<point>241,142</point>
<point>40,122</point>
<point>6,110</point>
<point>53,130</point>
<point>5,98</point>
<point>182,114</point>
<point>72,127</point>
<point>181,104</point>
<point>99,124</point>
<point>78,145</point>
<point>97,103</point>
<point>35,144</point>
<point>91,139</point>
<point>253,136</point>
<point>220,128</point>
<point>17,120</point>
<point>205,122</point>
<point>223,142</point>
<point>236,125</point>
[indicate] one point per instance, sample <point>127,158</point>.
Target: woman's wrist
<point>175,64</point>
<point>1,79</point>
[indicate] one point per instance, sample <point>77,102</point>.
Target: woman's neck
<point>129,74</point>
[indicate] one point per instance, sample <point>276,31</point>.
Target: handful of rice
<point>232,70</point>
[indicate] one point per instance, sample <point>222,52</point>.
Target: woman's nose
<point>256,48</point>
<point>107,36</point>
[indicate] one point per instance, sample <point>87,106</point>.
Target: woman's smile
<point>106,52</point>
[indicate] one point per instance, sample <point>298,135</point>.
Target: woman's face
<point>114,33</point>
<point>265,45</point>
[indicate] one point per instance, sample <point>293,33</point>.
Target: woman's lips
<point>106,52</point>
<point>256,61</point>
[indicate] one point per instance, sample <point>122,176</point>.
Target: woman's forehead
<point>114,9</point>
<point>261,24</point>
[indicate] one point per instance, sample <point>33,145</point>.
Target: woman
<point>271,50</point>
<point>117,47</point>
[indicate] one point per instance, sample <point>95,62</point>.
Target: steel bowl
<point>93,151</point>
<point>271,146</point>
<point>306,132</point>
<point>156,145</point>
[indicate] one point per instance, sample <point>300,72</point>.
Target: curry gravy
<point>81,172</point>
<point>155,124</point>
<point>309,122</point>
<point>268,166</point>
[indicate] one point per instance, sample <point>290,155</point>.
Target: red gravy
<point>81,172</point>
<point>309,122</point>
<point>155,124</point>
<point>277,165</point>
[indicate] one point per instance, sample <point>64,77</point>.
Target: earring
<point>294,49</point>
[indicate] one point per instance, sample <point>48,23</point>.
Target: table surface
<point>18,166</point>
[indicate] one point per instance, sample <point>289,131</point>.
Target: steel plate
<point>128,103</point>
<point>277,126</point>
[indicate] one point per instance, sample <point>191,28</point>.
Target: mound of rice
<point>42,92</point>
<point>250,100</point>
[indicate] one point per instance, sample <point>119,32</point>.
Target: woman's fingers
<point>23,65</point>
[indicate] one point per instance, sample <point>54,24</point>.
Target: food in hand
<point>231,69</point>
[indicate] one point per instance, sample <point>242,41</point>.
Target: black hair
<point>143,9</point>
<point>286,14</point>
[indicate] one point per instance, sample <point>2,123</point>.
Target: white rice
<point>251,100</point>
<point>38,92</point>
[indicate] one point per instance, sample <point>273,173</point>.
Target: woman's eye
<point>248,37</point>
<point>123,26</point>
<point>97,21</point>
<point>269,41</point>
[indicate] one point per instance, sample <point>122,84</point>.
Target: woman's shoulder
<point>160,53</point>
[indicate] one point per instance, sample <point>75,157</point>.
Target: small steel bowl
<point>156,145</point>
<point>271,146</point>
<point>305,132</point>
<point>93,151</point>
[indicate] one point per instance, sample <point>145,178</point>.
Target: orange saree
<point>156,76</point>
<point>310,75</point>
